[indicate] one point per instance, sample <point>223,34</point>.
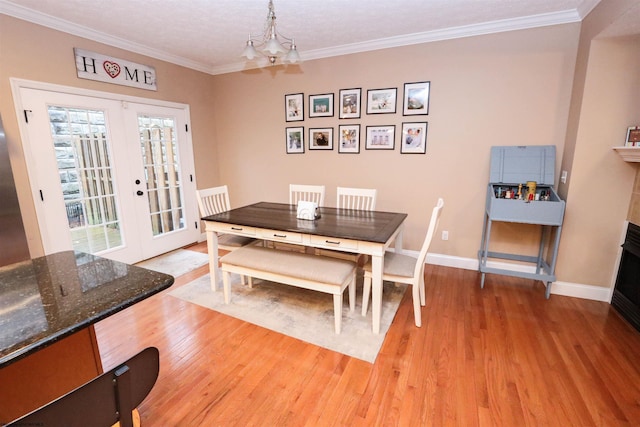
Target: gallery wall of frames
<point>348,139</point>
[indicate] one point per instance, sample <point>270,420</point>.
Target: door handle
<point>139,193</point>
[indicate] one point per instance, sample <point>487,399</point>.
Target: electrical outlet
<point>445,235</point>
<point>563,177</point>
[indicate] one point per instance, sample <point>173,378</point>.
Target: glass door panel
<point>162,173</point>
<point>83,158</point>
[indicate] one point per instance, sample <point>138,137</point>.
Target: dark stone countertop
<point>45,299</point>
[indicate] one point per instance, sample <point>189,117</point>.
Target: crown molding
<point>542,20</point>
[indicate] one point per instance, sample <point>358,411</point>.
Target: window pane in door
<point>84,166</point>
<point>158,144</point>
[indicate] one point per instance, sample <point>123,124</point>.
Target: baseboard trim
<point>568,289</point>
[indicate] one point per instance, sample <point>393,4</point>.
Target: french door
<point>109,177</point>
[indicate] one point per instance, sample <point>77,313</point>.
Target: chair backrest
<point>213,200</point>
<point>356,198</point>
<point>103,401</point>
<point>433,224</point>
<point>307,193</point>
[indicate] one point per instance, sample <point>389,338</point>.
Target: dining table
<point>348,230</point>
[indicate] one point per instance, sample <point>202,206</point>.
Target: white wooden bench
<point>303,270</point>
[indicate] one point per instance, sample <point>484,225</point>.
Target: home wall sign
<point>102,68</point>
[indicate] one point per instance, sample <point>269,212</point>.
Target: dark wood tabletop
<point>369,226</point>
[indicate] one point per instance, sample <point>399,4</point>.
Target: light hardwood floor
<point>500,356</point>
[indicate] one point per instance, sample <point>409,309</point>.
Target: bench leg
<point>352,293</point>
<point>226,286</point>
<point>337,311</point>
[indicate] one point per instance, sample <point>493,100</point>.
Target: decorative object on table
<point>416,98</point>
<point>307,210</point>
<point>294,107</point>
<point>349,100</point>
<point>381,101</point>
<point>414,138</point>
<point>380,137</point>
<point>321,105</point>
<point>321,139</point>
<point>349,139</point>
<point>299,313</point>
<point>633,137</point>
<point>295,140</point>
<point>271,43</point>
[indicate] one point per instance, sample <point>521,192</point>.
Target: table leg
<point>376,291</point>
<point>212,249</point>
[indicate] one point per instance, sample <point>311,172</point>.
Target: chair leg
<point>417,316</point>
<point>337,311</point>
<point>423,296</point>
<point>366,291</point>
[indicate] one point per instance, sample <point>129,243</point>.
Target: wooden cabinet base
<point>48,374</point>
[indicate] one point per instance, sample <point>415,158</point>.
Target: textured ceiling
<point>208,35</point>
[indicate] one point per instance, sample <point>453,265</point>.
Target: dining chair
<point>356,198</point>
<point>213,201</point>
<point>307,193</point>
<point>363,199</point>
<point>108,400</point>
<point>402,268</point>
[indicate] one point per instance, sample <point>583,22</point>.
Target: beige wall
<point>32,52</point>
<point>502,89</point>
<point>512,88</point>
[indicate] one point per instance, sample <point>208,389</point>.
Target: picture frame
<point>416,98</point>
<point>349,139</point>
<point>349,103</point>
<point>414,138</point>
<point>633,137</point>
<point>294,107</point>
<point>382,101</point>
<point>321,139</point>
<point>295,140</point>
<point>321,105</point>
<point>380,137</point>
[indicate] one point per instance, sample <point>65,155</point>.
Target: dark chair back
<point>103,401</point>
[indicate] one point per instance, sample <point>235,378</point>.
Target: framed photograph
<point>294,107</point>
<point>416,98</point>
<point>349,139</point>
<point>321,139</point>
<point>381,101</point>
<point>414,138</point>
<point>321,105</point>
<point>633,137</point>
<point>380,137</point>
<point>350,103</point>
<point>295,140</point>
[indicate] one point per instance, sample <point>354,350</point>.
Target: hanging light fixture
<point>271,44</point>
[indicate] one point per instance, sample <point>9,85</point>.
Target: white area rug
<point>300,313</point>
<point>176,263</point>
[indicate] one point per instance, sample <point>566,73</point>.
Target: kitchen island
<point>48,306</point>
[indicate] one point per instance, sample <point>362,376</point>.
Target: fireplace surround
<point>626,294</point>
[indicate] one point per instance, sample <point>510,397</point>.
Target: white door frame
<point>189,184</point>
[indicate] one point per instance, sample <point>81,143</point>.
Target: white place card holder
<point>308,210</point>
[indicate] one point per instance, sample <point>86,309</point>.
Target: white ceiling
<point>209,35</point>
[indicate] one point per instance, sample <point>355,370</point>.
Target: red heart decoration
<point>111,68</point>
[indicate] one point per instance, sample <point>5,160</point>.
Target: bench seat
<point>303,270</point>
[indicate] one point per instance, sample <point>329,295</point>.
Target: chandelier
<point>271,44</point>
